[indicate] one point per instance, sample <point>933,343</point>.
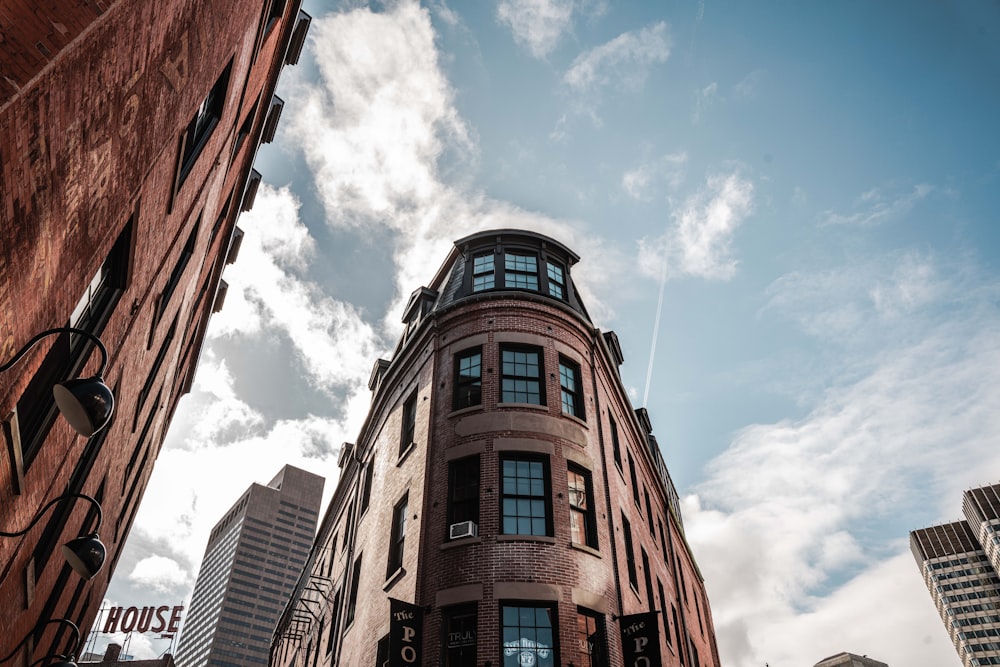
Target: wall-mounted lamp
<point>86,553</point>
<point>86,403</point>
<point>63,660</point>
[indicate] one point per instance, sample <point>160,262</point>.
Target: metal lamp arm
<point>71,624</point>
<point>41,512</point>
<point>58,330</point>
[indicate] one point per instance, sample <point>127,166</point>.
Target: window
<point>352,599</point>
<point>663,611</point>
<point>521,375</point>
<point>366,490</point>
<point>650,601</point>
<point>468,379</point>
<point>463,491</point>
<point>528,636</point>
<point>525,488</point>
<point>398,537</point>
<point>582,519</point>
<point>36,409</point>
<point>570,389</point>
<point>482,272</point>
<point>409,423</point>
<point>593,647</point>
<point>200,127</point>
<point>635,481</point>
<point>178,271</point>
<point>663,543</point>
<point>557,283</point>
<point>649,513</point>
<point>615,445</point>
<point>633,577</point>
<point>275,13</point>
<point>520,271</point>
<point>459,636</point>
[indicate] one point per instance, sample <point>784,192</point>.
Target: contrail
<point>656,332</point>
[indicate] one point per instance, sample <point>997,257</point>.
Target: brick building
<point>960,564</point>
<point>127,136</point>
<point>502,489</point>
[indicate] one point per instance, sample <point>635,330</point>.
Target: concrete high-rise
<point>254,556</point>
<point>128,132</point>
<point>960,562</point>
<point>504,503</point>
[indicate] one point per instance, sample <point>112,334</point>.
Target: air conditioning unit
<point>463,529</point>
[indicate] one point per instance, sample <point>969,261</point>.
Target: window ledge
<point>578,420</point>
<point>584,548</point>
<point>523,406</point>
<point>463,411</point>
<point>460,542</point>
<point>545,539</point>
<point>391,580</point>
<point>403,455</point>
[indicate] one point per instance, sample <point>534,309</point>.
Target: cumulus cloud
<point>626,60</point>
<point>536,25</point>
<point>159,574</point>
<point>876,207</point>
<point>698,241</point>
<point>644,181</point>
<point>882,442</point>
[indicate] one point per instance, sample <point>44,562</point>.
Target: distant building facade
<point>128,132</point>
<point>113,657</point>
<point>254,556</point>
<point>960,562</point>
<point>504,503</point>
<point>849,660</point>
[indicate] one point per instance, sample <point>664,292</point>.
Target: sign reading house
<point>146,619</point>
<point>641,640</point>
<point>406,623</point>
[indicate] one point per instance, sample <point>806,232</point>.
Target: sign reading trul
<point>133,619</point>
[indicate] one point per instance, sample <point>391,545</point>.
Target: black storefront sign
<point>641,639</point>
<point>406,623</point>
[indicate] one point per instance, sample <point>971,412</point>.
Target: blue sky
<point>811,187</point>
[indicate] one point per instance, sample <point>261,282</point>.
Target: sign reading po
<point>641,640</point>
<point>147,619</point>
<point>406,623</point>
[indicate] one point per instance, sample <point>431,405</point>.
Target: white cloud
<point>159,574</point>
<point>747,88</point>
<point>698,241</point>
<point>875,207</point>
<point>703,100</point>
<point>890,439</point>
<point>537,25</point>
<point>641,183</point>
<point>625,60</point>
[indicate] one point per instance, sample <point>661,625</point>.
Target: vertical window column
<point>525,497</point>
<point>528,636</point>
<point>570,388</point>
<point>582,519</point>
<point>468,379</point>
<point>398,537</point>
<point>463,496</point>
<point>521,375</point>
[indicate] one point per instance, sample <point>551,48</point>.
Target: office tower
<point>849,660</point>
<point>128,132</point>
<point>253,559</point>
<point>960,562</point>
<point>504,504</point>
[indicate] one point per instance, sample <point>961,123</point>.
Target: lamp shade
<point>86,403</point>
<point>63,661</point>
<point>85,554</point>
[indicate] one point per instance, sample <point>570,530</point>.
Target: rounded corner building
<point>504,504</point>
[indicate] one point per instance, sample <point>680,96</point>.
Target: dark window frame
<point>634,479</point>
<point>616,447</point>
<point>516,270</point>
<point>518,498</point>
<point>551,610</point>
<point>468,385</point>
<point>397,536</point>
<point>463,492</point>
<point>511,395</point>
<point>484,272</point>
<point>352,598</point>
<point>202,125</point>
<point>555,284</point>
<point>466,654</point>
<point>596,652</point>
<point>36,407</point>
<point>633,576</point>
<point>571,395</point>
<point>587,514</point>
<point>408,432</point>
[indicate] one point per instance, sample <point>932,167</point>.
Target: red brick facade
<point>468,582</point>
<point>111,215</point>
